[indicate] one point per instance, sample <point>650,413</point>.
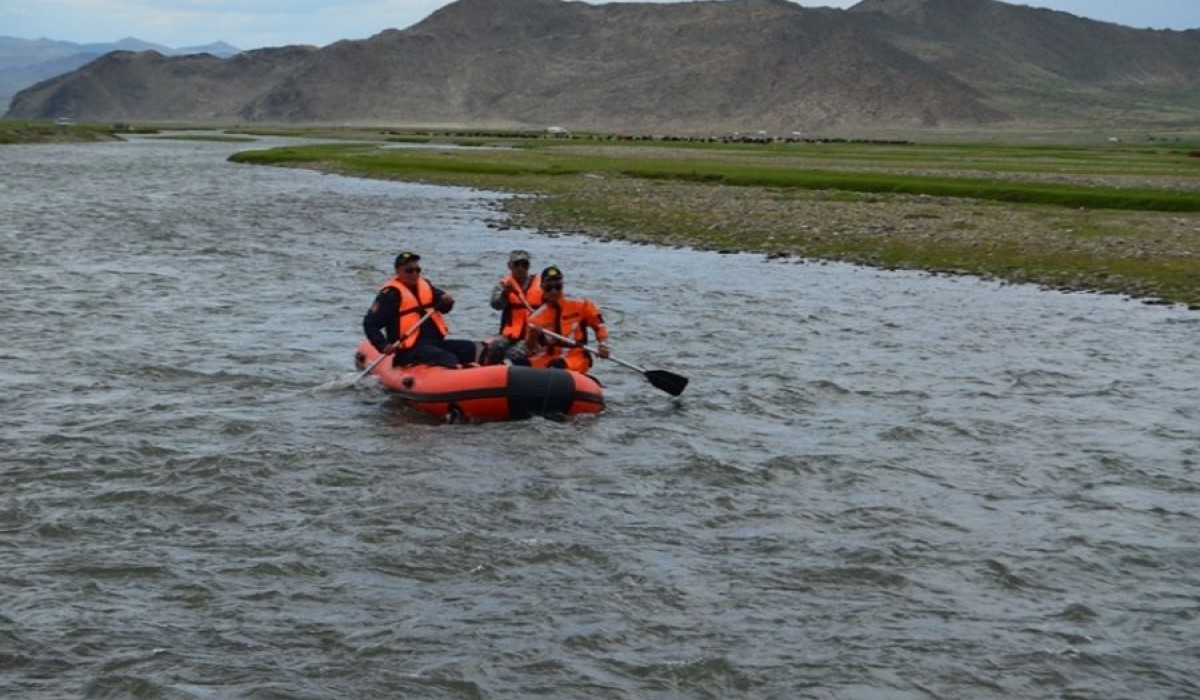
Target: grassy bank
<point>14,132</point>
<point>1109,217</point>
<point>207,138</point>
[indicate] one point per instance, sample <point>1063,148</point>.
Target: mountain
<point>1045,64</point>
<point>682,67</point>
<point>25,62</point>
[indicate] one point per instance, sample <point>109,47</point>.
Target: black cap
<point>406,257</point>
<point>518,255</point>
<point>551,273</point>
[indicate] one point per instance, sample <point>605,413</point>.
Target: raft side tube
<point>535,392</point>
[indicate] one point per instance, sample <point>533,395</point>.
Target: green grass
<point>1065,192</point>
<point>707,165</point>
<point>18,132</point>
<point>216,138</point>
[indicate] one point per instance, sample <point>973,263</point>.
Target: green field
<point>1166,177</point>
<point>15,132</point>
<point>1117,217</point>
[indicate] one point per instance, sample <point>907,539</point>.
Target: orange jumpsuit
<point>572,318</point>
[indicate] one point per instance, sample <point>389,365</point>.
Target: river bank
<point>1121,219</point>
<point>27,132</point>
<point>1152,256</point>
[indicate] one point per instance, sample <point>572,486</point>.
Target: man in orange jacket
<point>513,296</point>
<point>570,318</point>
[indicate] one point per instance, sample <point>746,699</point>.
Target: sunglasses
<point>411,269</point>
<point>551,286</point>
<point>521,263</point>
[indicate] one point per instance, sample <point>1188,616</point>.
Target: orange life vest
<point>515,313</point>
<point>412,308</point>
<point>571,318</point>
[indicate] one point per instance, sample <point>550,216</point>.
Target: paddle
<point>379,359</point>
<point>672,383</point>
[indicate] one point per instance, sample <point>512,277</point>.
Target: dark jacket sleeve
<point>443,305</point>
<point>379,323</point>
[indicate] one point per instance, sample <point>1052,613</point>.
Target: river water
<point>878,485</point>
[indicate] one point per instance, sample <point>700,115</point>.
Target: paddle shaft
<point>577,344</point>
<point>672,383</point>
<point>565,339</point>
<point>407,333</point>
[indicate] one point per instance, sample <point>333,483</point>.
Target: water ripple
<point>877,485</point>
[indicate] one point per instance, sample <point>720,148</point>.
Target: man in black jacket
<point>406,320</point>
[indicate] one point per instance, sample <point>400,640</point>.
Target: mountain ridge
<point>683,67</point>
<point>26,62</point>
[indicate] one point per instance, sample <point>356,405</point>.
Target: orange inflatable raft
<point>495,392</point>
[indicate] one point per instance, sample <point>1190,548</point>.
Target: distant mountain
<point>25,62</point>
<point>709,67</point>
<point>1047,65</point>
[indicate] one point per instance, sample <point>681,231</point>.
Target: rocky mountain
<point>1045,65</point>
<point>25,62</point>
<point>681,67</point>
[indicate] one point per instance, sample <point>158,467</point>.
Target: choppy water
<point>878,485</point>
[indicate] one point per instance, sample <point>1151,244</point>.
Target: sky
<point>250,24</point>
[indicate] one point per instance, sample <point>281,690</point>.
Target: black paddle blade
<point>669,382</point>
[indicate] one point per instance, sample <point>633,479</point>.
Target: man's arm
<point>380,319</point>
<point>443,301</point>
<point>499,294</point>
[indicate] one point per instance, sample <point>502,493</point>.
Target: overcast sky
<point>249,24</point>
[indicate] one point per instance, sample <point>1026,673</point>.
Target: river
<point>877,486</point>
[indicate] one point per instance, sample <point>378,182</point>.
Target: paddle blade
<point>669,382</point>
